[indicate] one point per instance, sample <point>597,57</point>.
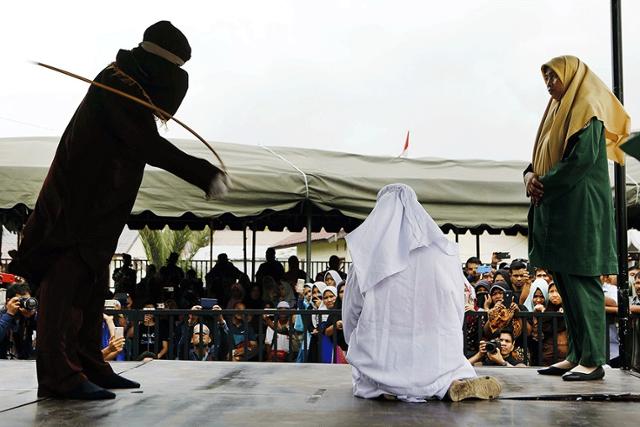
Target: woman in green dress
<point>571,220</point>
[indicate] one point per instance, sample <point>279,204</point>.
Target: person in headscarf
<point>332,278</point>
<point>403,307</point>
<point>538,296</point>
<point>551,352</point>
<point>481,292</point>
<point>316,318</point>
<point>302,322</point>
<point>316,294</point>
<point>87,198</point>
<point>536,302</point>
<point>571,220</point>
<point>326,329</point>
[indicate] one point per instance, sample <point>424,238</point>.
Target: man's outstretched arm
<point>135,128</point>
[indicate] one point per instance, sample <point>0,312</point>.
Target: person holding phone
<point>501,309</point>
<point>571,218</point>
<point>112,345</point>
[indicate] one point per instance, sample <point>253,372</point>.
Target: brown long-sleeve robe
<point>94,178</point>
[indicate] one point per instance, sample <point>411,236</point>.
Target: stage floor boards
<point>223,393</point>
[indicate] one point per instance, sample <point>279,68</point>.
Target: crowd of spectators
<point>509,318</point>
<point>275,335</point>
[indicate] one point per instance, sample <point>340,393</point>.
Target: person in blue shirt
<point>17,324</point>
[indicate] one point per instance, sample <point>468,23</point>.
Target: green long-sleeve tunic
<point>573,230</point>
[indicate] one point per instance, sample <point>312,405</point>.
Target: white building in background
<point>324,244</point>
<point>224,241</point>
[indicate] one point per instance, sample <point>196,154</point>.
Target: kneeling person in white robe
<point>404,305</point>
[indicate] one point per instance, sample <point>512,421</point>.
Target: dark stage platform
<point>222,393</point>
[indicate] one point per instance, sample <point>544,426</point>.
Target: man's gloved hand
<point>219,186</point>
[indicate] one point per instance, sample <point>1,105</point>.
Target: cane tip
<point>32,62</point>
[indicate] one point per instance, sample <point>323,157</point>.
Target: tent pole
<point>244,247</point>
<point>210,245</point>
<point>456,236</point>
<point>253,255</point>
<point>478,245</point>
<point>307,208</point>
<point>620,196</point>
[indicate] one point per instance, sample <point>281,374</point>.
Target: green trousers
<point>584,315</point>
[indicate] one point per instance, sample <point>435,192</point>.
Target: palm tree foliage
<point>158,244</point>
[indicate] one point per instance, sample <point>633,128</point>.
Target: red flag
<point>405,149</point>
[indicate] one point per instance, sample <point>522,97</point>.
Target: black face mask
<point>164,82</point>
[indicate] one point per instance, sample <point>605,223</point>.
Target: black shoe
<point>85,391</point>
<point>115,381</point>
<point>552,370</point>
<point>597,374</point>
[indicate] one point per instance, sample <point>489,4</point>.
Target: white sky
<point>462,75</point>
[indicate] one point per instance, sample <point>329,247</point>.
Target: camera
<point>492,346</point>
<point>28,303</point>
<point>502,255</point>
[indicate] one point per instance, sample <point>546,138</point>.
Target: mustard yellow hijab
<point>585,97</point>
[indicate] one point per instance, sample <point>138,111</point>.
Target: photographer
<point>497,352</point>
<point>17,323</point>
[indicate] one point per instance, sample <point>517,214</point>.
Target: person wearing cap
<point>481,289</point>
<point>87,198</point>
<point>277,339</point>
<point>201,344</point>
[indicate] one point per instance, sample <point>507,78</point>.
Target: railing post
<point>244,247</point>
<point>307,209</point>
<point>620,195</point>
<point>253,255</point>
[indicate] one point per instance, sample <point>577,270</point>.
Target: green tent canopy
<point>278,187</point>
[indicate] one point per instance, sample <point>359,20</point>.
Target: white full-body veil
<point>404,302</point>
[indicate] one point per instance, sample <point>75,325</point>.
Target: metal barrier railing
<point>232,341</point>
<point>254,334</point>
<point>536,337</point>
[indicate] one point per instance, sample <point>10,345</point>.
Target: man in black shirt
<point>125,277</point>
<point>271,267</point>
<point>150,345</point>
<point>334,264</point>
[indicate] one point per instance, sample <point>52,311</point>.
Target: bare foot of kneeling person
<point>485,388</point>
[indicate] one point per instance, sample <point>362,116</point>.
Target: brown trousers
<point>69,334</point>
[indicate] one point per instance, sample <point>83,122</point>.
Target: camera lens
<point>29,303</point>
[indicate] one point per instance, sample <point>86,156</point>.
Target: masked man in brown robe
<point>86,200</point>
